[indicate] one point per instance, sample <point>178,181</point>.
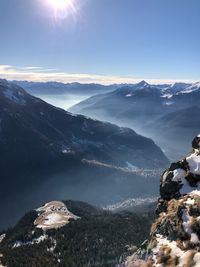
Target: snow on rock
<point>179,257</point>
<point>175,234</point>
<point>194,162</point>
<point>191,88</point>
<point>38,240</point>
<point>2,237</point>
<point>168,103</point>
<point>129,95</point>
<point>183,176</point>
<point>168,96</point>
<point>53,215</point>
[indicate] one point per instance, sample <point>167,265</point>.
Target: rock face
<point>175,234</point>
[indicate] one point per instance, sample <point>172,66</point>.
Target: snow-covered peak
<point>191,88</point>
<point>53,215</point>
<point>179,86</point>
<point>141,85</point>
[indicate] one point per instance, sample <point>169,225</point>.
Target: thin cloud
<point>31,68</point>
<point>39,74</point>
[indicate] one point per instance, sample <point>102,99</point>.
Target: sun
<point>61,4</point>
<point>63,8</point>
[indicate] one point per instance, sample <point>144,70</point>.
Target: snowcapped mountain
<point>175,234</point>
<point>128,100</point>
<point>191,88</point>
<point>123,103</point>
<point>148,108</point>
<point>176,87</point>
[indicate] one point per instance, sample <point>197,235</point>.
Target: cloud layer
<point>34,73</point>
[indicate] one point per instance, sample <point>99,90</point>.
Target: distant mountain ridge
<point>36,88</point>
<point>144,107</point>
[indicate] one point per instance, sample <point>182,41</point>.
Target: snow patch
<point>28,243</point>
<point>53,215</point>
<point>2,237</point>
<point>194,163</point>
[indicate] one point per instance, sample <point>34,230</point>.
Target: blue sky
<point>102,40</point>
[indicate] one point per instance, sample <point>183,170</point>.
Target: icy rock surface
<point>175,234</point>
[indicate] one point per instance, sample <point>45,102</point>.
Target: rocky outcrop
<point>53,215</point>
<point>175,234</point>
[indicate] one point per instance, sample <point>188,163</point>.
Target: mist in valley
<point>108,187</point>
<point>64,101</point>
<point>173,144</point>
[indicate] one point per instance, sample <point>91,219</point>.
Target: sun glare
<point>62,8</point>
<point>61,4</point>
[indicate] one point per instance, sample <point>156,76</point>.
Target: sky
<point>105,41</point>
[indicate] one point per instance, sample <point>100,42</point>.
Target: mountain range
<point>162,113</point>
<point>55,88</point>
<point>58,153</point>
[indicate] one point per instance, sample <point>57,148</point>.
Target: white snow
<point>52,219</point>
<point>178,176</point>
<point>32,242</point>
<point>195,193</point>
<point>191,88</point>
<point>168,103</point>
<point>190,201</point>
<point>175,252</point>
<point>168,96</point>
<point>53,215</point>
<point>194,238</point>
<point>2,237</point>
<point>53,247</point>
<point>194,163</point>
<point>197,260</point>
